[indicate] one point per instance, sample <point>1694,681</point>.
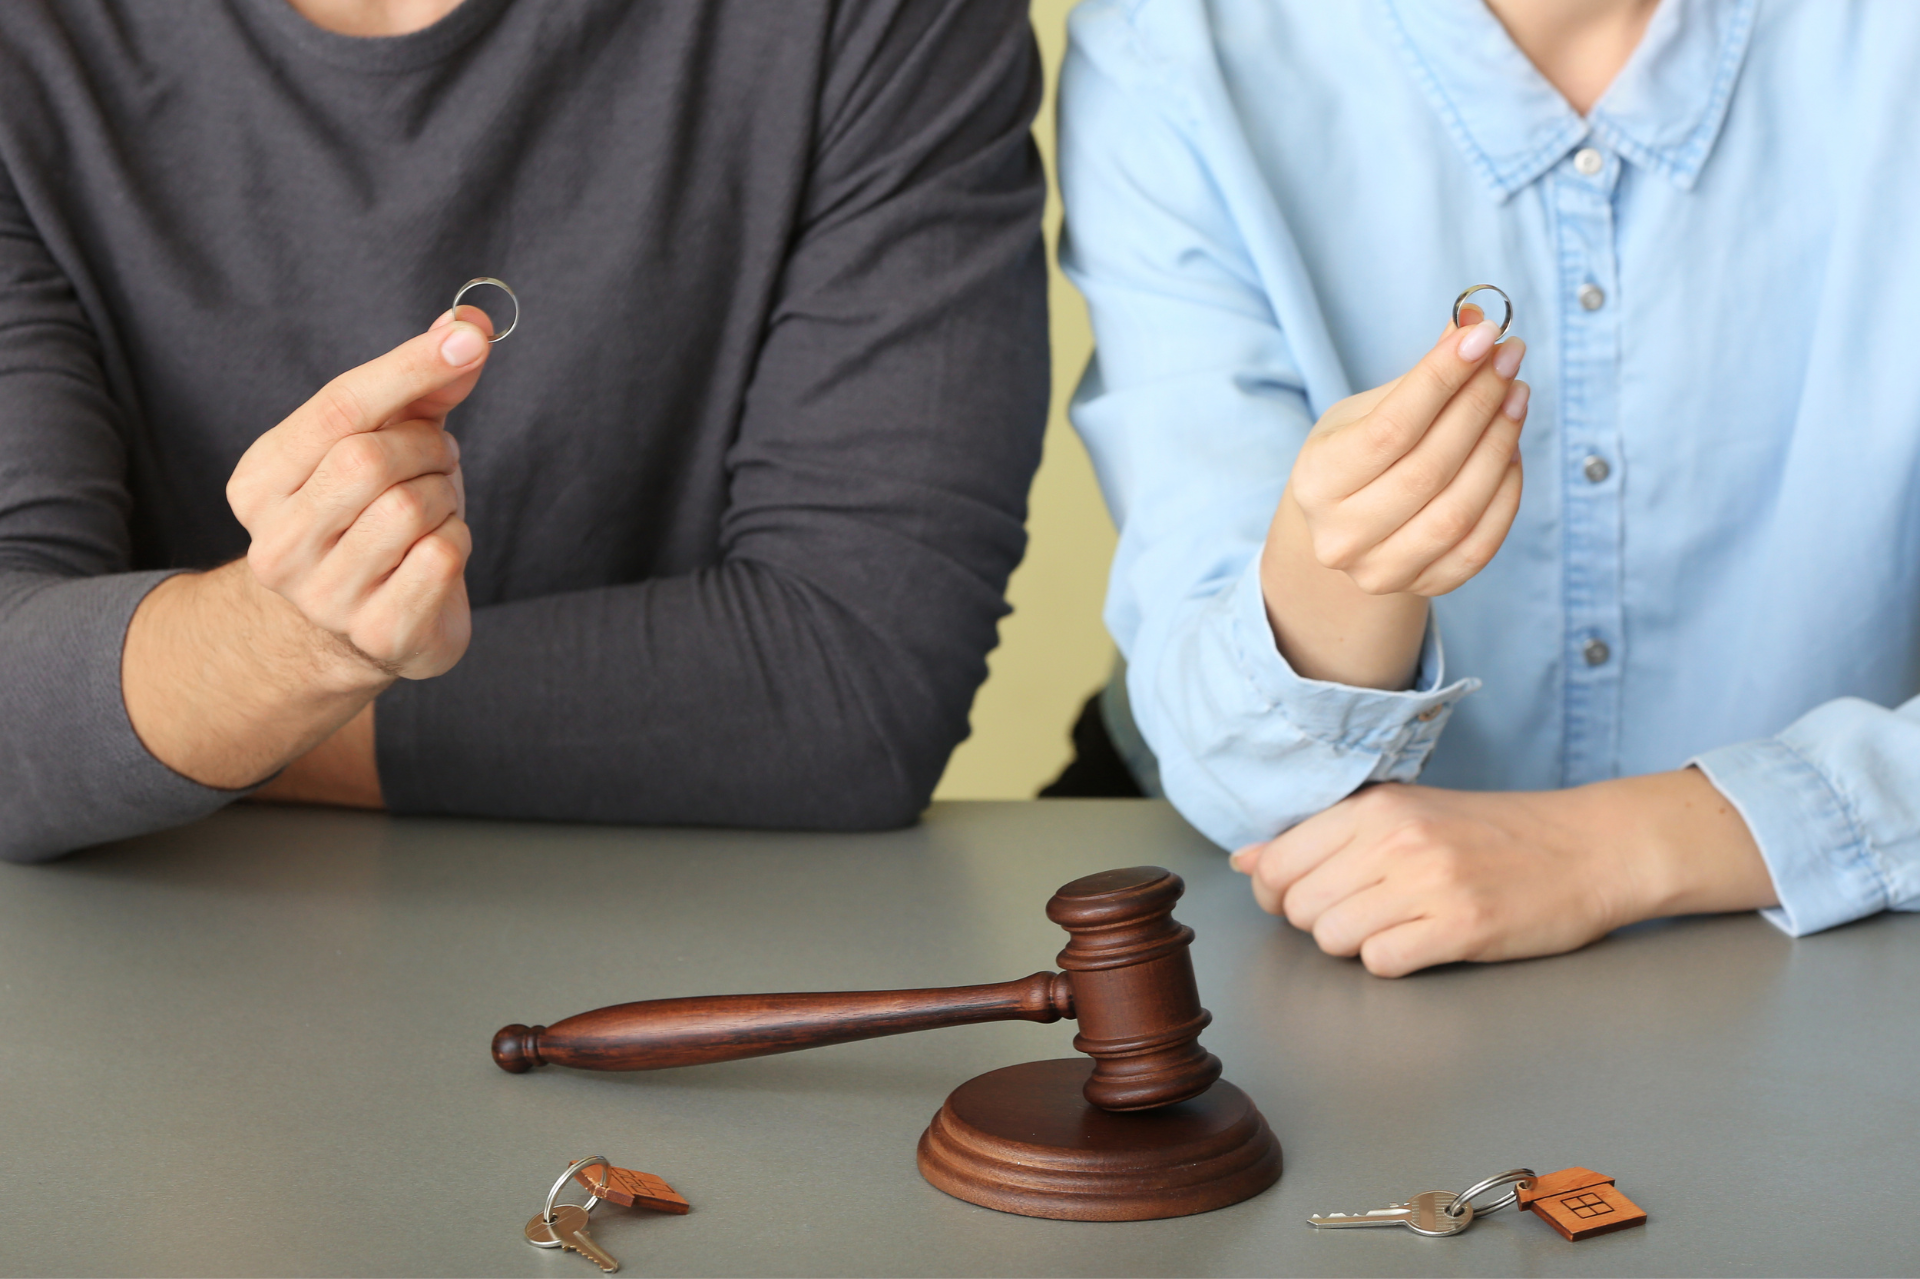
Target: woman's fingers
<point>1406,413</point>
<point>1478,548</point>
<point>1432,463</point>
<point>1276,865</point>
<point>1346,925</point>
<point>1408,947</point>
<point>1356,536</point>
<point>1450,518</point>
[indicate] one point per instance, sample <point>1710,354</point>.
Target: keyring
<point>506,289</point>
<point>1456,305</point>
<point>546,1213</point>
<point>1515,1177</point>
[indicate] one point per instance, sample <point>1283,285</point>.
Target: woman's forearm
<point>1327,627</point>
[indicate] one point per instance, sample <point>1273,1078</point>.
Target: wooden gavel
<point>1128,980</point>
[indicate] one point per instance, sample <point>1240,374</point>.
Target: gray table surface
<point>258,1046</point>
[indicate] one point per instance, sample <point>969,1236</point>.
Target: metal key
<point>1423,1214</point>
<point>539,1233</point>
<point>570,1228</point>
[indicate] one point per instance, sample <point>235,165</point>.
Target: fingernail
<point>445,318</point>
<point>1239,858</point>
<point>1516,405</point>
<point>1507,363</point>
<point>1478,340</point>
<point>464,347</point>
<point>454,444</point>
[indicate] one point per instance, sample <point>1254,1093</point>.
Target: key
<point>1423,1214</point>
<point>570,1228</point>
<point>539,1233</point>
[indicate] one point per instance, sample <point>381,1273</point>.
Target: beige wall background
<point>1053,649</point>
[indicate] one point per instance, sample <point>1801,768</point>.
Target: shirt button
<point>1596,652</point>
<point>1592,297</point>
<point>1589,161</point>
<point>1430,714</point>
<point>1595,469</point>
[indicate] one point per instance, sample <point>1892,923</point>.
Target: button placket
<point>1582,192</point>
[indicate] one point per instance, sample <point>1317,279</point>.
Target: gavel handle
<point>658,1033</point>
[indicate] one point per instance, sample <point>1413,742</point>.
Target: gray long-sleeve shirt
<point>745,486</point>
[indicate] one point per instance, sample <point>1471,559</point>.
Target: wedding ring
<point>1456,304</point>
<point>503,287</point>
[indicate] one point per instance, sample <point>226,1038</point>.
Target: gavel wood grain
<point>1129,982</point>
<point>656,1034</point>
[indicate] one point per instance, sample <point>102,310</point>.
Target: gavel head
<point>1133,989</point>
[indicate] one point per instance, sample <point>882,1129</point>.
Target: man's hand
<point>1399,493</point>
<point>354,505</point>
<point>1409,876</point>
<point>356,574</point>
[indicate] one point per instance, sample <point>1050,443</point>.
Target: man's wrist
<point>309,659</point>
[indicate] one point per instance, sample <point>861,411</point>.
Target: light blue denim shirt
<point>1271,205</point>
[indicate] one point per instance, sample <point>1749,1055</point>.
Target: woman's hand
<point>1399,493</point>
<point>1409,876</point>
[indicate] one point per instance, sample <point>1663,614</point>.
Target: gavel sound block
<point>1142,1127</point>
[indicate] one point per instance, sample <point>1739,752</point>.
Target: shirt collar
<point>1663,111</point>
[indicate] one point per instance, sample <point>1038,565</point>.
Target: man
<point>719,535</point>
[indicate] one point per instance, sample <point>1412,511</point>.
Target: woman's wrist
<point>1680,846</point>
<point>1327,627</point>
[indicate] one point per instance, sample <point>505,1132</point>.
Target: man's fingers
<point>370,551</point>
<point>360,468</point>
<point>428,590</point>
<point>433,371</point>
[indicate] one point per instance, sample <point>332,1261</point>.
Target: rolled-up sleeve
<point>1833,800</point>
<point>1194,409</point>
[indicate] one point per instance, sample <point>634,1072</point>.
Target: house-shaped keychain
<point>1580,1203</point>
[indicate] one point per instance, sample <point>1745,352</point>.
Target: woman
<point>1669,691</point>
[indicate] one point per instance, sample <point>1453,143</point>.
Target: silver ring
<point>1504,324</point>
<point>1515,1177</point>
<point>546,1213</point>
<point>506,289</point>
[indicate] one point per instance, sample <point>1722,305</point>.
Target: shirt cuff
<point>77,772</point>
<point>1399,728</point>
<point>1815,849</point>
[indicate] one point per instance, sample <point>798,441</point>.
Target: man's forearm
<point>342,770</point>
<point>226,682</point>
